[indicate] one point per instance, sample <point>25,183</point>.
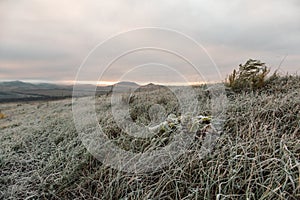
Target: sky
<point>48,41</point>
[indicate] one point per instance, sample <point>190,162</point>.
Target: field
<point>256,156</point>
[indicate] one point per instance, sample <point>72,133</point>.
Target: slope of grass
<point>256,157</point>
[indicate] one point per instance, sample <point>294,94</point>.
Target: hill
<point>257,155</point>
<point>23,91</point>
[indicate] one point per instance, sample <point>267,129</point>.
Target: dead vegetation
<point>2,116</point>
<point>251,76</point>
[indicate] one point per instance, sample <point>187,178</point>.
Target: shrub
<point>251,76</point>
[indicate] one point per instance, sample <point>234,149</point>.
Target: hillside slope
<point>257,156</point>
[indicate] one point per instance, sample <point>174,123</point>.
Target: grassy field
<point>257,155</point>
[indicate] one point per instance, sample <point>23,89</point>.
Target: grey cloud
<point>54,36</point>
<point>22,53</point>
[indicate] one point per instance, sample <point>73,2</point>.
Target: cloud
<point>50,39</point>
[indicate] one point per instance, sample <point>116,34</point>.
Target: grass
<point>256,157</point>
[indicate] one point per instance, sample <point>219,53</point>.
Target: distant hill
<point>119,87</point>
<point>151,87</point>
<point>24,91</point>
<point>17,85</point>
<point>127,84</point>
<point>12,85</point>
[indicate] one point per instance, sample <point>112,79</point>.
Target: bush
<point>250,77</point>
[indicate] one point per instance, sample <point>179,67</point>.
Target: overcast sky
<point>48,40</point>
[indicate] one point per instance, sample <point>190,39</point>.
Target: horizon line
<point>107,83</point>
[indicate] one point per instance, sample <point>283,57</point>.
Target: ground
<point>257,155</point>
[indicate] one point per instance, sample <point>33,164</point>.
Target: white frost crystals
<point>201,126</point>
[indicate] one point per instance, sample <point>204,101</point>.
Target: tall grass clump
<point>250,76</point>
